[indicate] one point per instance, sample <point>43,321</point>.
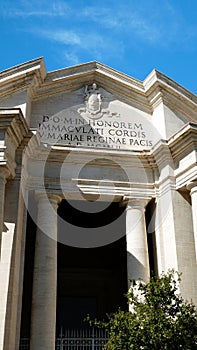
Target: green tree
<point>159,318</point>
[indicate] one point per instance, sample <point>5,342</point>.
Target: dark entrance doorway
<point>90,280</point>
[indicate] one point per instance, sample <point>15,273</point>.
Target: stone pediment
<point>145,95</point>
<point>92,117</point>
<point>43,96</point>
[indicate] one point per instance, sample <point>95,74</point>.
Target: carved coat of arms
<point>93,103</point>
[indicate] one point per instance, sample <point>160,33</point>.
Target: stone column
<point>3,175</point>
<point>4,276</point>
<point>193,192</point>
<point>137,247</point>
<point>43,321</point>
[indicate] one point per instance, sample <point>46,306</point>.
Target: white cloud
<point>102,15</point>
<point>27,9</point>
<point>71,58</point>
<point>66,37</point>
<point>82,44</point>
<point>125,20</point>
<point>159,23</point>
<point>133,22</point>
<point>87,41</point>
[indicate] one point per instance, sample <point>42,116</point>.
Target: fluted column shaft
<point>137,247</point>
<point>43,321</point>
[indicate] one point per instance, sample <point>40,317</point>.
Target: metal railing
<point>76,339</point>
<point>24,344</point>
<point>82,339</point>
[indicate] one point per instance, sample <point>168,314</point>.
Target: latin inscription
<point>94,133</point>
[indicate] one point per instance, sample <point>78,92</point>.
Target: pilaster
<point>175,240</point>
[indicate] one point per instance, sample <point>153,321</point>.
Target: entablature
<point>21,77</point>
<point>13,129</point>
<point>183,146</point>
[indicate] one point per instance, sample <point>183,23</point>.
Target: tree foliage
<point>159,318</point>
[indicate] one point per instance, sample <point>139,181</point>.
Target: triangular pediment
<point>34,73</point>
<point>23,85</point>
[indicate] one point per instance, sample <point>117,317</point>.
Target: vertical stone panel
<point>174,232</point>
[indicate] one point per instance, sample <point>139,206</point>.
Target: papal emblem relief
<point>93,101</point>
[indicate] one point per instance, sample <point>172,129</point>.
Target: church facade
<point>98,184</point>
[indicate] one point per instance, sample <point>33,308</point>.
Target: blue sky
<point>132,36</point>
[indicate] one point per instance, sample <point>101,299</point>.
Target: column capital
<point>52,198</point>
<point>135,203</point>
<point>192,186</point>
<point>4,173</point>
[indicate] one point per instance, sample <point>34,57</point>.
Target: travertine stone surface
<point>90,132</point>
<point>2,198</point>
<point>193,191</point>
<point>13,129</point>
<point>137,249</point>
<point>45,275</point>
<point>4,258</point>
<point>175,240</point>
<point>12,262</point>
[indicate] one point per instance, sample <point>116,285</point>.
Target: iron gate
<point>76,339</point>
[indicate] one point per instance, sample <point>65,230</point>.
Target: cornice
<point>69,79</point>
<point>184,141</point>
<point>12,119</point>
<point>23,68</point>
<point>185,176</point>
<point>13,129</point>
<point>115,188</point>
<point>161,154</point>
<point>94,67</point>
<point>160,88</point>
<point>157,77</point>
<point>21,77</point>
<point>183,147</point>
<point>156,87</point>
<point>86,187</point>
<point>145,95</point>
